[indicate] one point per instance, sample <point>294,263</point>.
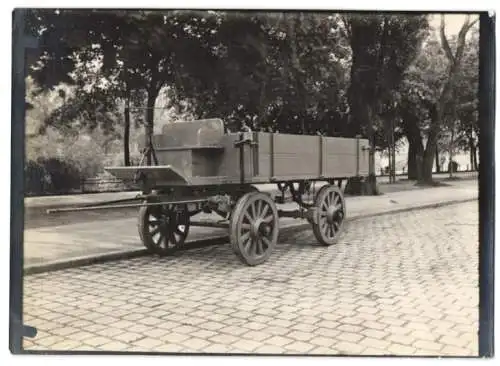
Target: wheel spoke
<point>245,236</point>
<point>168,241</point>
<point>160,240</point>
<point>258,246</point>
<point>324,227</point>
<point>253,213</point>
<point>246,243</point>
<point>329,198</point>
<point>336,200</point>
<point>268,219</point>
<point>264,211</point>
<point>266,241</point>
<point>336,226</point>
<point>331,231</point>
<point>248,218</point>
<point>250,248</point>
<point>155,231</point>
<point>258,209</point>
<point>172,238</point>
<point>153,222</point>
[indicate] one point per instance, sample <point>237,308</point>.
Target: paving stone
<point>233,330</point>
<point>322,341</point>
<point>65,345</point>
<point>268,349</point>
<point>427,345</point>
<point>349,348</point>
<point>375,343</point>
<point>96,341</point>
<point>246,345</point>
<point>400,350</point>
<point>299,347</point>
<point>114,346</point>
<point>174,337</point>
<point>224,339</point>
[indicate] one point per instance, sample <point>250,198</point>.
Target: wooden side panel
<point>230,162</point>
<point>206,162</point>
<point>180,159</point>
<point>296,155</point>
<point>284,156</point>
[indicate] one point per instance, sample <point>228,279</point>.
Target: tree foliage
<point>310,73</point>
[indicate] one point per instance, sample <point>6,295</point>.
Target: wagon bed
<point>200,153</point>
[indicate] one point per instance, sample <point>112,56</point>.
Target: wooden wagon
<point>201,167</point>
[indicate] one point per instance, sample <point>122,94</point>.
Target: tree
<point>466,97</point>
<point>141,50</point>
<point>455,60</point>
<point>273,71</point>
<point>383,46</point>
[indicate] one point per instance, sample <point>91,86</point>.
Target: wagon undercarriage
<point>251,218</point>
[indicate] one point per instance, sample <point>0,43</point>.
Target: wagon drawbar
<point>201,167</point>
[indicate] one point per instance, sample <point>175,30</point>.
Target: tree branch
<point>444,42</point>
<point>462,37</point>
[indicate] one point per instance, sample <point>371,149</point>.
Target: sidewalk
<point>76,244</point>
<point>45,202</point>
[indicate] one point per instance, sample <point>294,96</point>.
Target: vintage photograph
<point>249,182</point>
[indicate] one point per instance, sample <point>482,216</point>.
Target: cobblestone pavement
<point>401,284</point>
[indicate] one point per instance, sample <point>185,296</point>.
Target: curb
<point>200,243</point>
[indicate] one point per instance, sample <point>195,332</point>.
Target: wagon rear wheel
<point>254,228</point>
<point>162,228</point>
<point>331,211</point>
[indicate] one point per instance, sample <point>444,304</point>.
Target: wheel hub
<point>331,214</point>
<point>260,228</point>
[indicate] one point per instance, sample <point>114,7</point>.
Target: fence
<point>96,185</point>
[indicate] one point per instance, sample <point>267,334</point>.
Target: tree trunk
<point>472,153</point>
<point>438,168</point>
<point>126,138</point>
<point>126,131</point>
<point>450,151</point>
<point>431,145</point>
<point>476,158</point>
<point>427,163</point>
<point>415,148</point>
<point>150,113</point>
<point>415,157</point>
<point>372,174</point>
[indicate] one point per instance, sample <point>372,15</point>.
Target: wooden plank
<point>255,154</point>
<point>155,173</point>
<point>272,156</point>
<point>321,157</point>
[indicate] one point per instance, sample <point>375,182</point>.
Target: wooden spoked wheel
<point>254,228</point>
<point>163,229</point>
<point>331,212</point>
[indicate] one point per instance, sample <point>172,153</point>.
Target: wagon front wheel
<point>163,229</point>
<point>254,228</point>
<point>331,211</point>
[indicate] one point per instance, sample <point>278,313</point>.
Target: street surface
<point>397,284</point>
